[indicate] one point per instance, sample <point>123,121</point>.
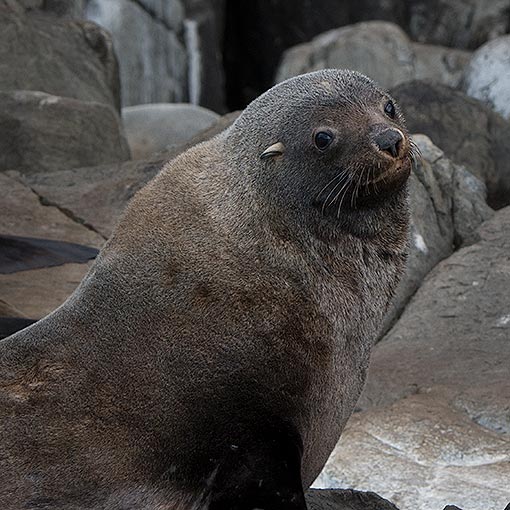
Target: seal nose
<point>389,141</point>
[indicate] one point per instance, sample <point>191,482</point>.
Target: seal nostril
<point>389,141</point>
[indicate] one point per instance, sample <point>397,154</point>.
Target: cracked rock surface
<point>434,421</point>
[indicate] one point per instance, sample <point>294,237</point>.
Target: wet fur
<point>216,349</point>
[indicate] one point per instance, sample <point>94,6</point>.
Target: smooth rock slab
<point>40,133</point>
<point>64,58</point>
<point>336,499</point>
<point>152,128</point>
<point>487,76</point>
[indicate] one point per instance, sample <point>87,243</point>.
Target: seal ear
<point>277,149</point>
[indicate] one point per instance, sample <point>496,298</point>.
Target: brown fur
<point>228,320</point>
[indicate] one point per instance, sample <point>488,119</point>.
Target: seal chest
<point>216,349</point>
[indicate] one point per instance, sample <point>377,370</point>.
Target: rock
<point>24,215</point>
<point>378,49</point>
<point>9,325</point>
<point>37,292</point>
<point>469,132</point>
<point>7,310</point>
<point>434,422</point>
<point>40,132</point>
<point>488,75</point>
<point>439,64</point>
<point>447,206</point>
<point>371,48</point>
<point>69,59</point>
<point>337,499</point>
<point>153,128</point>
<point>204,29</point>
<point>97,196</point>
<point>152,54</point>
<point>40,291</point>
<point>457,23</point>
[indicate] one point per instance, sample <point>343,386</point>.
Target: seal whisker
<point>325,204</point>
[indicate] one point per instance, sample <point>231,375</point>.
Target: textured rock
<point>488,75</point>
<point>457,23</point>
<point>469,132</point>
<point>40,132</point>
<point>96,196</point>
<point>378,49</point>
<point>70,59</point>
<point>439,64</point>
<point>447,206</point>
<point>24,215</point>
<point>434,425</point>
<point>371,48</point>
<point>204,29</point>
<point>37,292</point>
<point>154,128</point>
<point>336,499</point>
<point>152,55</point>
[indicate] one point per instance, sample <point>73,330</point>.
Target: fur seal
<point>218,345</point>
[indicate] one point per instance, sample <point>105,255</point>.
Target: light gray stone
<point>70,59</point>
<point>488,75</point>
<point>447,206</point>
<point>40,133</point>
<point>152,128</point>
<point>152,56</point>
<point>381,50</point>
<point>457,23</point>
<point>378,49</point>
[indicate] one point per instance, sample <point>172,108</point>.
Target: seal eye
<point>389,109</point>
<point>323,139</point>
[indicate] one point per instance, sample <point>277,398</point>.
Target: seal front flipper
<point>265,474</point>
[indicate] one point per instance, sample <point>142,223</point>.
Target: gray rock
<point>37,292</point>
<point>457,23</point>
<point>337,499</point>
<point>378,49</point>
<point>488,75</point>
<point>40,133</point>
<point>439,64</point>
<point>447,206</point>
<point>152,56</point>
<point>204,30</point>
<point>169,12</point>
<point>372,48</point>
<point>97,196</point>
<point>469,132</point>
<point>64,58</point>
<point>434,414</point>
<point>152,128</point>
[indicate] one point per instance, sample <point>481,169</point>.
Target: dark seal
<point>216,349</point>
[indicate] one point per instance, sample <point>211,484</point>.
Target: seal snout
<point>390,141</point>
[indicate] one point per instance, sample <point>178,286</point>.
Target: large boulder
<point>447,206</point>
<point>152,128</point>
<point>151,50</point>
<point>457,23</point>
<point>433,426</point>
<point>469,132</point>
<point>40,133</point>
<point>378,49</point>
<point>64,58</point>
<point>488,75</point>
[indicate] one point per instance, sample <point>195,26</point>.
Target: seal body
<point>216,349</point>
